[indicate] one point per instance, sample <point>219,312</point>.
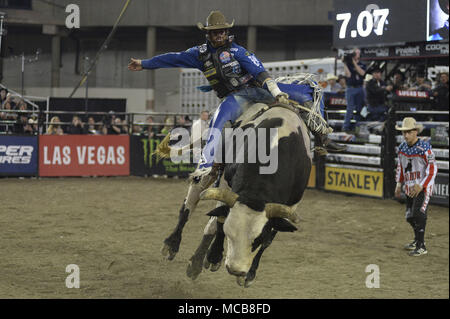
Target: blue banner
<point>18,155</point>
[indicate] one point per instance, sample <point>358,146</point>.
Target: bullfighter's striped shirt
<point>417,165</point>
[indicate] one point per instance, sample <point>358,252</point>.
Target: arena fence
<point>367,167</point>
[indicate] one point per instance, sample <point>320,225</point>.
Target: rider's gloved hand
<point>276,92</point>
<point>283,98</point>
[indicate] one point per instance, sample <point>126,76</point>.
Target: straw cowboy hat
<point>409,124</point>
<point>215,21</point>
<point>331,76</point>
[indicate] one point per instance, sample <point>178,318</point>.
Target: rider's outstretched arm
<point>185,59</point>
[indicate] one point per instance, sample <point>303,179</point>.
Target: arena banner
<point>84,155</point>
<point>312,178</point>
<point>417,50</point>
<point>440,190</point>
<point>18,155</point>
<point>354,181</point>
<point>143,163</point>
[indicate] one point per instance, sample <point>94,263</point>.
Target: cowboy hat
<point>409,124</point>
<point>215,21</point>
<point>331,76</point>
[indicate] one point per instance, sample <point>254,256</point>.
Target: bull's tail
<point>163,149</point>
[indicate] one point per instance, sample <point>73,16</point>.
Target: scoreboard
<point>382,22</point>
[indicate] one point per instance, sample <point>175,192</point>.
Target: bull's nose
<point>235,272</point>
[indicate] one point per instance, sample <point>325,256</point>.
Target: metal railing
<point>43,119</point>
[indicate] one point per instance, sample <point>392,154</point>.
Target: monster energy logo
<point>149,146</point>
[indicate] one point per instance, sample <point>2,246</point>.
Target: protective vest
<point>222,70</point>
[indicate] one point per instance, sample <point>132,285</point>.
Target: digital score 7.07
<point>366,23</point>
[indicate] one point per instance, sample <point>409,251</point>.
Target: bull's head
<point>245,228</point>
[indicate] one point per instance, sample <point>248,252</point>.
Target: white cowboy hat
<point>331,76</point>
<point>409,124</point>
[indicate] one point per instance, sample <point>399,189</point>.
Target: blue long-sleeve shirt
<point>190,59</point>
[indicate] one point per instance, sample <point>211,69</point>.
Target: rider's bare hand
<point>135,65</point>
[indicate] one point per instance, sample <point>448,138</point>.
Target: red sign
<point>416,94</point>
<point>84,155</point>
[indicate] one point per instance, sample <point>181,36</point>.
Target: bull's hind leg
<point>197,185</point>
<point>195,265</point>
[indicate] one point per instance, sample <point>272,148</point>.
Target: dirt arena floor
<point>113,229</point>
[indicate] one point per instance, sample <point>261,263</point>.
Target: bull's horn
<point>224,195</point>
<point>281,211</point>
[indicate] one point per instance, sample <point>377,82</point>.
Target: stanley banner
<point>145,164</point>
<point>354,181</point>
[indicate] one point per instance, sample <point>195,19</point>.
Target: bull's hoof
<point>206,263</point>
<point>194,268</point>
<point>240,280</point>
<point>215,267</point>
<point>168,252</point>
<point>249,279</point>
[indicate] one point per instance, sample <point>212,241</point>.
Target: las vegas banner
<point>84,155</point>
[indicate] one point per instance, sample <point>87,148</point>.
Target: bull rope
<point>314,116</point>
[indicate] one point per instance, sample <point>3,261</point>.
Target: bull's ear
<point>283,225</point>
<point>220,211</point>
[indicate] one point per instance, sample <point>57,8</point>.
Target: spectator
<point>332,85</point>
<point>124,128</point>
<point>33,121</point>
<point>22,118</point>
<point>398,81</point>
<point>421,84</point>
<point>181,122</point>
<point>104,130</point>
<point>77,126</point>
<point>136,130</point>
<point>355,71</point>
<point>168,121</point>
<point>8,116</point>
<point>200,126</point>
<point>151,129</point>
<point>116,126</point>
<point>28,127</point>
<point>55,127</point>
<point>199,133</point>
<point>3,95</point>
<point>376,91</point>
<point>91,126</point>
<point>343,83</point>
<point>21,124</point>
<point>440,94</point>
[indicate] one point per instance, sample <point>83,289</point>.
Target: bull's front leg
<point>250,277</point>
<point>197,185</point>
<point>215,252</point>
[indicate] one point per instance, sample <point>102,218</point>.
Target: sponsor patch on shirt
<point>210,72</point>
<point>225,57</point>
